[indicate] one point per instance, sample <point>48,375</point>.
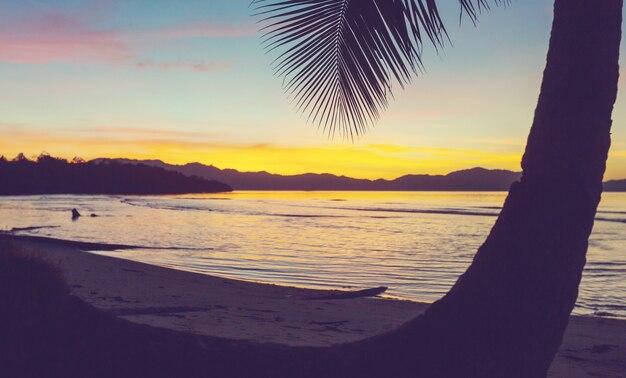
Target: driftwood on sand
<point>353,294</point>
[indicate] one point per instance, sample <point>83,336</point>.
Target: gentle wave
<point>417,244</point>
<point>457,212</point>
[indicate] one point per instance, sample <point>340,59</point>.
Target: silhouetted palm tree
<point>506,315</point>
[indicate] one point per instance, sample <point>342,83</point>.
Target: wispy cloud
<point>194,66</point>
<point>55,36</point>
<point>197,30</point>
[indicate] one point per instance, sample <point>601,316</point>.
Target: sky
<point>186,81</point>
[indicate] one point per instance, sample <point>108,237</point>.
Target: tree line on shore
<point>51,175</point>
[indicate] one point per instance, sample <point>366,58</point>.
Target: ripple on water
<point>416,243</point>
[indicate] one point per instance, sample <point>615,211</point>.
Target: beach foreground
<point>214,306</point>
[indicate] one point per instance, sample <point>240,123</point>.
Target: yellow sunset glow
<point>362,161</point>
<point>371,161</point>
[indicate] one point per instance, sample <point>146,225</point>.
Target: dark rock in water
<point>75,214</point>
<point>93,215</point>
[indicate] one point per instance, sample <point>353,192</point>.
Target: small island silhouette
<point>51,175</point>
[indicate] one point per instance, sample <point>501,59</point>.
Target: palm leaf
<point>339,58</point>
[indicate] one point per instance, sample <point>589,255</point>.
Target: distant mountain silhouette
<point>475,179</point>
<point>49,175</point>
<point>615,186</point>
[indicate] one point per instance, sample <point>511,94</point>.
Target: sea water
<point>416,243</point>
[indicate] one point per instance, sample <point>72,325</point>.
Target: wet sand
<point>217,306</point>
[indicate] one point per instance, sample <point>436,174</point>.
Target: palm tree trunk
<point>506,316</point>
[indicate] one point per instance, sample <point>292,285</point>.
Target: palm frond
<point>339,58</point>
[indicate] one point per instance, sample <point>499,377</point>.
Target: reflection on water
<point>417,243</point>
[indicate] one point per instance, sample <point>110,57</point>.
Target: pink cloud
<point>51,36</point>
<point>54,37</point>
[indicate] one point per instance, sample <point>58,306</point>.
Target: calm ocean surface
<point>416,243</point>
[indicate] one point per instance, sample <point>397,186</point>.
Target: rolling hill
<point>475,179</point>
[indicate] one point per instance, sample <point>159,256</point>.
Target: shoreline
<point>213,306</point>
<point>100,248</point>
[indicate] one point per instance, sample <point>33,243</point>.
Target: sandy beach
<point>215,306</point>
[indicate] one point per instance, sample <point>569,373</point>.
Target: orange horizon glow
<point>370,161</point>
